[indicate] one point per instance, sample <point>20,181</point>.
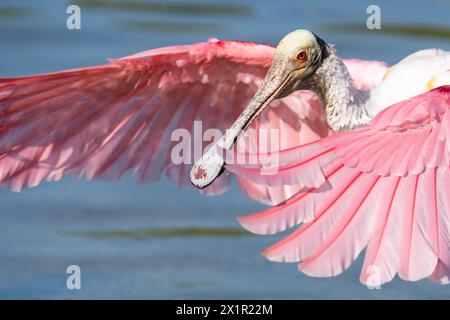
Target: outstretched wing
<point>106,121</point>
<point>385,186</point>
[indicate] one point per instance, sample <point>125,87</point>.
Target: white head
<point>297,56</point>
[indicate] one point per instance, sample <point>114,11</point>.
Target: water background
<point>155,240</point>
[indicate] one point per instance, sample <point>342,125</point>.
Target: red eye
<point>301,56</point>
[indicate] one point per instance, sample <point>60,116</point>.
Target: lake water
<point>155,240</point>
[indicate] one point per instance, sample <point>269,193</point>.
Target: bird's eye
<point>301,56</point>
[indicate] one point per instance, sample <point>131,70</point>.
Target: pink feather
<point>107,121</point>
<point>381,189</point>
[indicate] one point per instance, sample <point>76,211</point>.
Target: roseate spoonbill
<point>363,158</point>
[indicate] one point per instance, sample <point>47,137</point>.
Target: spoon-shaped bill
<point>210,165</point>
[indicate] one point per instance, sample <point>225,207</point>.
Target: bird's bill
<point>210,165</point>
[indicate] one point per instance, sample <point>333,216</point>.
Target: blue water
<point>155,240</point>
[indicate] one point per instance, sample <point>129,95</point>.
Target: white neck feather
<point>346,107</point>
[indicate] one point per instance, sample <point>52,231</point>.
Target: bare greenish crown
<point>297,40</point>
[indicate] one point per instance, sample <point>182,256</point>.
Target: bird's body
<point>418,73</point>
<point>362,160</point>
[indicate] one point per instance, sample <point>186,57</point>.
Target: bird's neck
<point>346,107</point>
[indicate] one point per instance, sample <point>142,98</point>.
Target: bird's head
<point>297,57</point>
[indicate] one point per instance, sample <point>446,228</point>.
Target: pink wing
<point>110,120</point>
<point>385,186</point>
<point>115,119</point>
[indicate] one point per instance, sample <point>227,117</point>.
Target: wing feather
<point>385,186</point>
<point>106,121</point>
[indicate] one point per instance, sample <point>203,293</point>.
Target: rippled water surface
<point>155,240</point>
